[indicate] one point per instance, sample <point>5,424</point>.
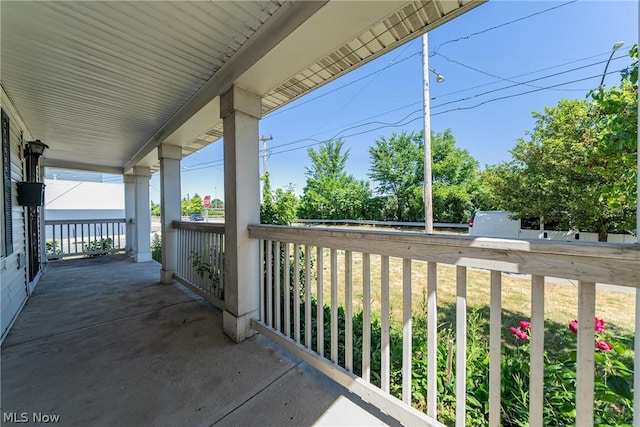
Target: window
<point>530,224</point>
<point>6,229</point>
<point>553,226</point>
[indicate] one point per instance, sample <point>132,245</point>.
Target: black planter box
<point>30,193</point>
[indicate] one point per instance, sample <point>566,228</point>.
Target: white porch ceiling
<point>104,83</point>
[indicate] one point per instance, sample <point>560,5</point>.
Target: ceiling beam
<point>69,164</point>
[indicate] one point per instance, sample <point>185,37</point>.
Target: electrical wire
<point>500,26</point>
<point>345,57</point>
<point>522,75</point>
<point>526,83</point>
<point>508,79</point>
<point>392,64</point>
<point>523,93</point>
<point>450,102</point>
<point>405,120</point>
<point>396,62</point>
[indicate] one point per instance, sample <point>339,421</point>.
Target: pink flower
<point>604,346</point>
<point>599,325</point>
<point>519,333</point>
<point>525,325</point>
<point>573,325</point>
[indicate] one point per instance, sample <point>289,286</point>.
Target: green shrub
<point>98,247</point>
<point>156,248</point>
<point>613,403</point>
<point>211,272</point>
<point>53,247</point>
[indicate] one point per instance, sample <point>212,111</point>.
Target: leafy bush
<point>156,248</point>
<point>209,271</point>
<point>53,247</point>
<point>278,207</point>
<point>98,247</point>
<point>613,403</point>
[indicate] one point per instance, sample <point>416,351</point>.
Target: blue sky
<point>570,43</point>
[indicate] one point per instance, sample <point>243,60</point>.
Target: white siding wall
<point>13,274</point>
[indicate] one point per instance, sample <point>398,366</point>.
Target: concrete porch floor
<point>102,343</point>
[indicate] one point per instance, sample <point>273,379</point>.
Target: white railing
<point>201,259</point>
<point>70,238</point>
<point>298,260</point>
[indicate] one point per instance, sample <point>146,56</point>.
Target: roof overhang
<point>104,94</point>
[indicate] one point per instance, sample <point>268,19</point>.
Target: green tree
<point>184,206</point>
<point>616,119</point>
<point>457,189</point>
<point>155,209</point>
<point>330,193</point>
<point>397,166</point>
<point>196,205</point>
<point>558,172</point>
<point>278,207</point>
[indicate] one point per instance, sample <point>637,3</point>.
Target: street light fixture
<point>428,188</point>
<point>613,50</point>
<point>439,77</point>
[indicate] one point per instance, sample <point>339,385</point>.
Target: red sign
<point>207,202</point>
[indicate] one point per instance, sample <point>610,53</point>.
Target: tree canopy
<point>330,193</point>
<point>616,115</point>
<point>577,166</point>
<point>278,207</point>
<point>397,167</point>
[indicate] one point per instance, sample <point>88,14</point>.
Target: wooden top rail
<point>83,221</point>
<point>610,263</point>
<point>208,227</point>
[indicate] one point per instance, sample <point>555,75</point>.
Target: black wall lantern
<point>35,148</point>
<point>31,192</point>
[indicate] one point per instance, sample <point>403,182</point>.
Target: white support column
<point>169,156</point>
<point>240,111</point>
<point>142,222</point>
<point>130,212</point>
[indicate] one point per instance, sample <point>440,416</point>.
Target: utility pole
<point>428,188</point>
<point>265,151</point>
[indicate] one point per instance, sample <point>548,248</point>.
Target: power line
<point>409,17</point>
<point>525,83</point>
<point>500,26</point>
<point>449,102</point>
<point>396,62</point>
<point>504,78</point>
<point>522,75</point>
<point>402,122</point>
<point>345,57</point>
<point>470,88</point>
<point>393,63</point>
<point>522,93</point>
<point>361,90</point>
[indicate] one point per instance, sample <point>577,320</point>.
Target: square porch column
<point>169,156</point>
<point>142,221</point>
<point>240,111</point>
<point>130,212</point>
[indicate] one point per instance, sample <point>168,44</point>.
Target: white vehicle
<point>502,224</point>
